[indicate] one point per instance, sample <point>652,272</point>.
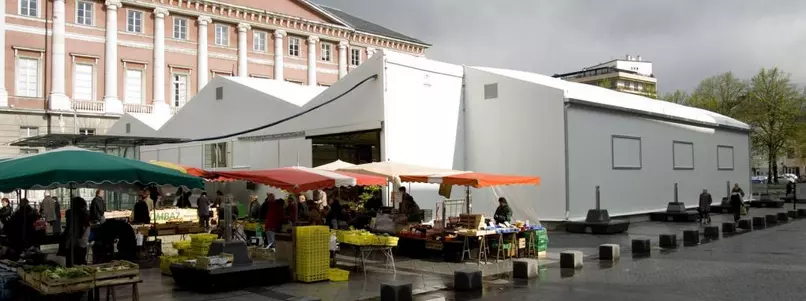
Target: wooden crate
<point>47,289</point>
<point>471,221</point>
<point>521,243</point>
<point>133,270</point>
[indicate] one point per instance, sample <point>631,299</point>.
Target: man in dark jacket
<point>705,206</point>
<point>97,208</point>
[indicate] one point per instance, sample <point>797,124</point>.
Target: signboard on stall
<point>161,216</point>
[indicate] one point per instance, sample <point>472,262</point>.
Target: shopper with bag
<point>736,196</point>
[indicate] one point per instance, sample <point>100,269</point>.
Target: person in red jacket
<point>274,219</point>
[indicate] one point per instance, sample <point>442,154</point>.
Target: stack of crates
<point>200,244</point>
<point>313,253</point>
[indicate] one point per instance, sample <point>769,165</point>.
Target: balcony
<point>138,108</point>
<point>88,106</point>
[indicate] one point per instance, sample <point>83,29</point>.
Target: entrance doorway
<point>355,147</point>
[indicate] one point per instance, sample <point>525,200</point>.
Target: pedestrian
<point>5,212</point>
<point>203,210</point>
<point>141,215</point>
<point>77,239</point>
<point>97,208</point>
<point>705,207</point>
<point>47,210</point>
<point>503,214</point>
<point>274,217</point>
<point>254,207</point>
<point>736,197</point>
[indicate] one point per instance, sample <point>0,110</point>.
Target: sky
<point>686,40</point>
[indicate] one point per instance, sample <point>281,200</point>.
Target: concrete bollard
<point>691,237</point>
<point>571,259</point>
<point>771,219</point>
<point>711,232</point>
<point>783,216</point>
<point>801,212</point>
<point>668,241</point>
<point>759,222</point>
<point>792,214</point>
<point>729,227</point>
<point>745,224</point>
<point>396,291</point>
<point>467,279</point>
<point>609,252</point>
<point>524,268</point>
<point>640,247</point>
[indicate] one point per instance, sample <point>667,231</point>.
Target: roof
<point>89,141</point>
<point>154,121</point>
<point>369,27</point>
<point>593,95</point>
<point>295,94</point>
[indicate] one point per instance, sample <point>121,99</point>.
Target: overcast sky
<point>687,40</point>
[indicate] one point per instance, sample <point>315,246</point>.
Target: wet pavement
<point>763,264</point>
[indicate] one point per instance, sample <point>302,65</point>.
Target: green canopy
<point>80,168</point>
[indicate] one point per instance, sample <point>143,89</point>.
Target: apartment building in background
<point>75,66</point>
<point>630,75</point>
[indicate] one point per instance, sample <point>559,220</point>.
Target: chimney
<point>628,57</point>
<point>638,58</point>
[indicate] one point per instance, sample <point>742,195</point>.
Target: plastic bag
<point>743,210</point>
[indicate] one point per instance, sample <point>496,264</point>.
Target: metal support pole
<point>795,196</point>
<point>727,189</point>
<point>598,199</point>
<point>675,193</point>
<point>467,200</point>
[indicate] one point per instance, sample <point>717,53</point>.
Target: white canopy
<point>335,165</point>
<point>393,171</point>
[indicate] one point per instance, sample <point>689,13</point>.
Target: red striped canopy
<point>473,179</point>
<point>299,179</point>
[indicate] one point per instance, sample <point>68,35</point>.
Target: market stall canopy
<point>193,171</point>
<point>76,167</point>
<point>335,165</point>
<point>393,170</point>
<point>299,179</point>
<point>473,179</point>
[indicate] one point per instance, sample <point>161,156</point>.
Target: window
<point>682,155</point>
<point>326,52</point>
<point>134,21</point>
<point>84,13</point>
<point>355,57</point>
<point>133,82</point>
<point>180,90</point>
<point>293,46</point>
<point>29,8</point>
<point>215,155</point>
<point>180,28</point>
<point>626,152</point>
<point>86,132</point>
<point>29,131</point>
<point>28,151</point>
<point>724,157</point>
<point>221,35</point>
<point>259,41</point>
<point>83,82</point>
<point>27,81</point>
<point>491,91</point>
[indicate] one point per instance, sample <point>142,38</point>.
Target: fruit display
<point>365,238</point>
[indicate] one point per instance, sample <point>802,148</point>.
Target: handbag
<point>743,210</point>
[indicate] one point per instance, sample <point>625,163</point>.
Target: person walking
<point>705,207</point>
<point>736,197</point>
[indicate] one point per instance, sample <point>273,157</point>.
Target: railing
<point>88,106</point>
<point>138,108</point>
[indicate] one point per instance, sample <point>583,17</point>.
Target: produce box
<point>211,262</point>
<point>114,269</point>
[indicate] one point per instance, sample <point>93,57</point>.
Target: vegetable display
<point>65,273</point>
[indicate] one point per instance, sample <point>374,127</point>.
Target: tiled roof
<point>369,27</point>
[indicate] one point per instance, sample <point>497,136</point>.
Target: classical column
<point>160,106</point>
<point>278,54</point>
<point>202,53</point>
<point>242,61</point>
<point>370,52</point>
<point>111,102</point>
<point>58,98</point>
<point>3,91</point>
<point>312,60</point>
<point>342,59</point>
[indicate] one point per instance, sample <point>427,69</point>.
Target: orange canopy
<point>473,179</point>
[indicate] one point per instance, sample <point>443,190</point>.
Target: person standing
<point>736,197</point>
<point>141,213</point>
<point>77,238</point>
<point>21,231</point>
<point>5,212</point>
<point>705,207</point>
<point>503,213</point>
<point>97,208</point>
<point>203,210</point>
<point>274,218</point>
<point>47,209</point>
<point>254,207</point>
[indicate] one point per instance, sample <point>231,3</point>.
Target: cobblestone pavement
<point>759,265</point>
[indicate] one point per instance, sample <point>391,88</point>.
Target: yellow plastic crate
<point>338,275</point>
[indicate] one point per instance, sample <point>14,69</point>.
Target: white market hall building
<point>419,111</point>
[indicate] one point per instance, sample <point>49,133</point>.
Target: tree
<point>773,108</point>
<point>606,83</point>
<point>678,97</point>
<point>723,94</point>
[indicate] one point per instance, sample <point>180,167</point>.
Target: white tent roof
<point>611,98</point>
<point>293,93</point>
<point>140,124</point>
<point>335,165</point>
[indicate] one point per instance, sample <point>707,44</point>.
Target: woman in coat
<point>736,196</point>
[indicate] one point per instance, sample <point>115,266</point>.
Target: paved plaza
<point>759,265</point>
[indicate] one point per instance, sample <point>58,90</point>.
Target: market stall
<point>72,168</point>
